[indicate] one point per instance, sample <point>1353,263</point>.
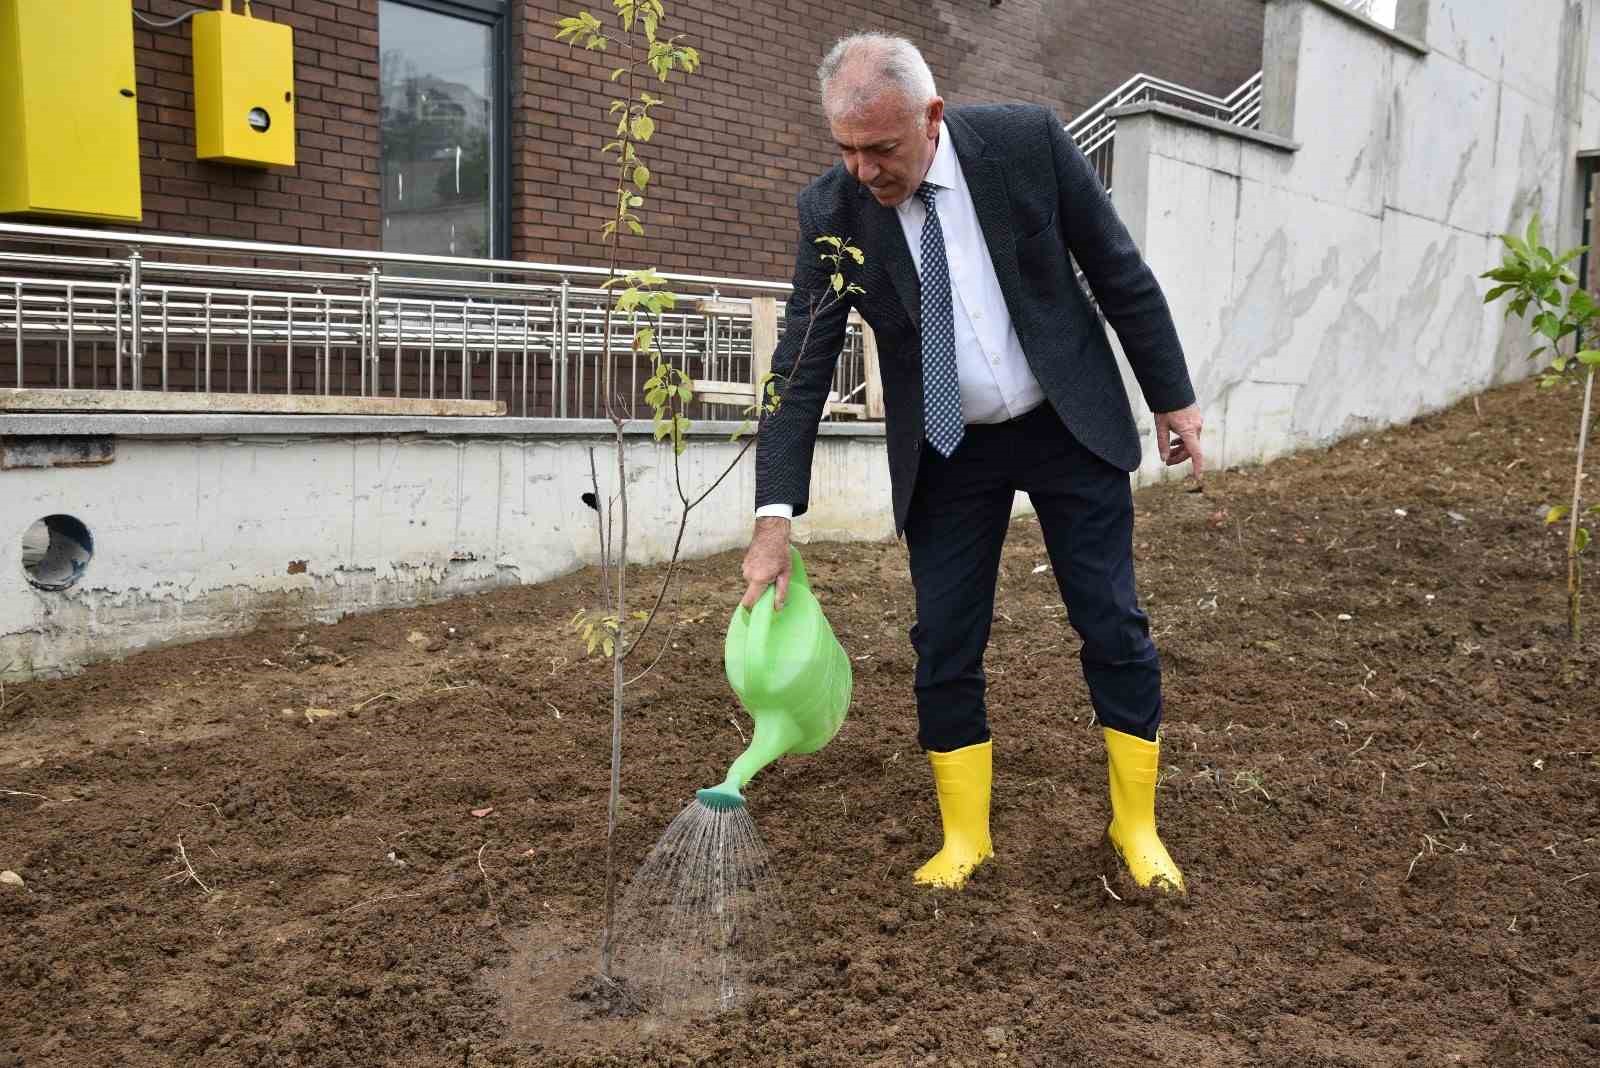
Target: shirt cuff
<point>783,511</point>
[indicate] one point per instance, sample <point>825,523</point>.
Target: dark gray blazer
<point>1037,200</point>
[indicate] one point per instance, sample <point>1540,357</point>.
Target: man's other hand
<point>767,561</point>
<point>1184,425</point>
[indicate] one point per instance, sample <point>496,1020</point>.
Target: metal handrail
<point>140,241</point>
<point>153,315</point>
<point>1095,130</point>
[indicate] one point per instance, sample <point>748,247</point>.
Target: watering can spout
<point>790,673</point>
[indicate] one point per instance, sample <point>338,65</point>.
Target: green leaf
<point>1572,254</point>
<point>615,74</point>
<point>1531,238</point>
<point>829,239</point>
<point>1556,515</point>
<point>634,200</point>
<point>633,224</point>
<point>610,645</point>
<point>644,127</point>
<point>1514,275</point>
<point>663,428</point>
<point>1548,324</point>
<point>856,254</point>
<point>1593,509</point>
<point>1589,357</point>
<point>641,176</point>
<point>838,282</point>
<point>1516,245</point>
<point>1496,293</point>
<point>685,393</point>
<point>1581,306</point>
<point>1581,541</point>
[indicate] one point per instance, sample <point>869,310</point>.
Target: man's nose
<point>866,172</point>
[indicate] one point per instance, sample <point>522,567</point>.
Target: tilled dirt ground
<point>1381,779</point>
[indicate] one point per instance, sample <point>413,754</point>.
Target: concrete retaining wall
<point>1323,274</point>
<point>204,528</point>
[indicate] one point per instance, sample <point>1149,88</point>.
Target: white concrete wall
<point>194,537</point>
<point>1332,287</point>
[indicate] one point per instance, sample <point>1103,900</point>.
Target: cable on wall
<point>162,24</point>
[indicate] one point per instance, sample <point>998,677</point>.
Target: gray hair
<point>886,60</point>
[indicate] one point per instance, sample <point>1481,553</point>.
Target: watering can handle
<point>761,615</point>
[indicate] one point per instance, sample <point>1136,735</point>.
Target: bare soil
<point>1381,779</point>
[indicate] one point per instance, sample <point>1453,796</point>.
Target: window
<point>441,123</point>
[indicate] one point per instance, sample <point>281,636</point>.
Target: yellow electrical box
<point>69,121</point>
<point>243,90</point>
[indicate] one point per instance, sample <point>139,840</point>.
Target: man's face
<point>887,145</point>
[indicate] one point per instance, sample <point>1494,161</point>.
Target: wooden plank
<point>713,392</point>
<point>763,336</point>
<point>114,400</point>
<point>707,306</point>
<point>874,379</point>
<point>743,393</point>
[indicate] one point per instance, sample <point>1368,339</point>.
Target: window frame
<point>496,15</point>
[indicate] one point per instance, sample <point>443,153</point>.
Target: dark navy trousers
<point>957,523</point>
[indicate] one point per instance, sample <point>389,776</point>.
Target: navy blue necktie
<point>941,388</point>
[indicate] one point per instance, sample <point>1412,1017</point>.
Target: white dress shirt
<point>996,383</point>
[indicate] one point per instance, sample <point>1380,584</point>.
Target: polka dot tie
<point>941,389</point>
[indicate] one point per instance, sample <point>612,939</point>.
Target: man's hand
<point>1184,424</point>
<point>767,561</point>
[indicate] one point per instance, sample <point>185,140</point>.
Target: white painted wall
<point>1330,288</point>
<point>194,537</point>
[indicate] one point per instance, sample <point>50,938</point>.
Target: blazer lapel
<point>885,239</point>
<point>986,182</point>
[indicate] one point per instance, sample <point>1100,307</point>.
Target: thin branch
<point>666,643</point>
<point>488,887</point>
<point>212,805</point>
<point>183,855</point>
<point>600,531</point>
<point>375,900</point>
<point>41,797</point>
<point>1574,573</point>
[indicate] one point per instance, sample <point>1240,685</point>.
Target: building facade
<point>462,127</point>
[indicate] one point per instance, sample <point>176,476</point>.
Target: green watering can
<point>792,676</point>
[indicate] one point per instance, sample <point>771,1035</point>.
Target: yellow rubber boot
<point>963,779</point>
<point>1133,764</point>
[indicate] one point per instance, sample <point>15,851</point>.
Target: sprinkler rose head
<point>722,798</point>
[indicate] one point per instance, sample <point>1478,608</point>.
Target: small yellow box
<point>243,90</point>
<point>69,121</point>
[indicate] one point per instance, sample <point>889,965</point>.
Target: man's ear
<point>934,114</point>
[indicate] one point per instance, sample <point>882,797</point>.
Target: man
<point>997,377</point>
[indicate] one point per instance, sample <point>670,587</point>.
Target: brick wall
<point>331,196</point>
<point>735,143</point>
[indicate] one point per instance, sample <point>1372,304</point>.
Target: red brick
<point>735,143</point>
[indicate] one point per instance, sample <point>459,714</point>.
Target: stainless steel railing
<point>170,313</point>
<point>1095,130</point>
